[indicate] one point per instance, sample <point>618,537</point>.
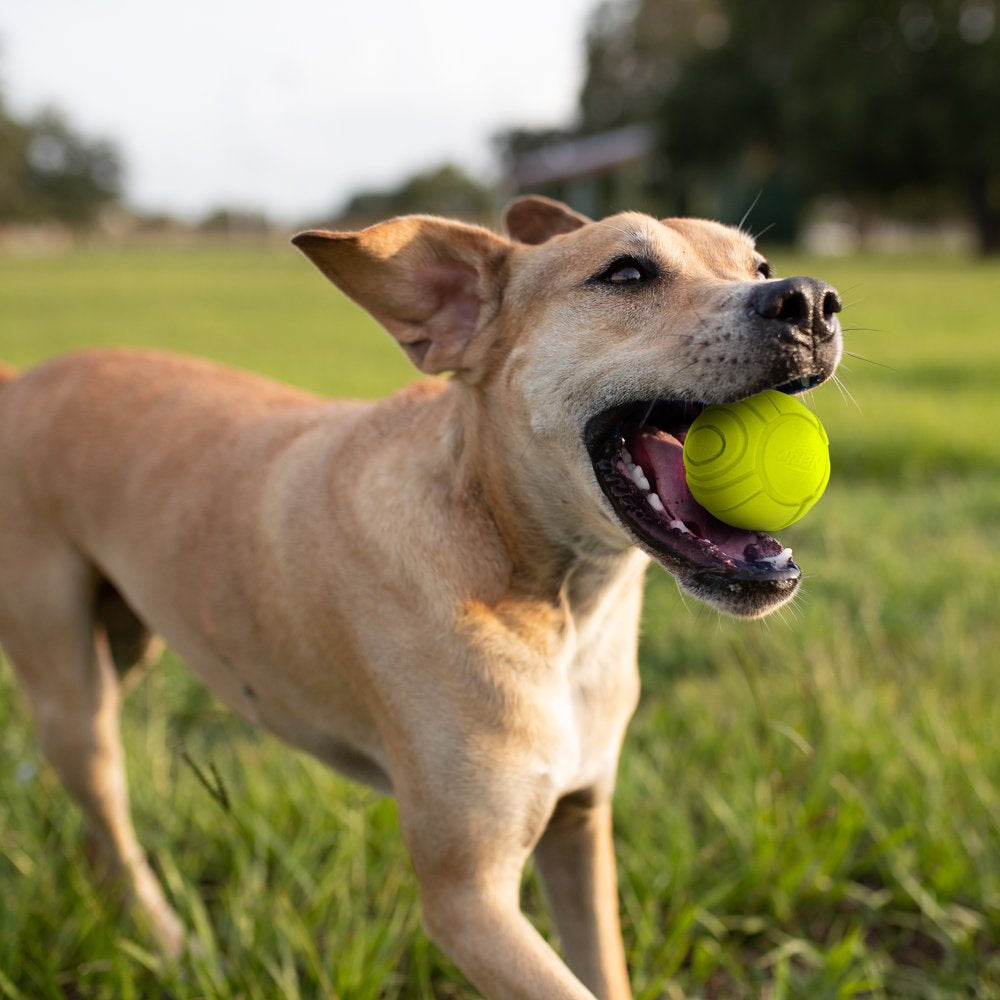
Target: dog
<point>437,593</point>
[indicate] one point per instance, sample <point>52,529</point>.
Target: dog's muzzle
<point>799,309</point>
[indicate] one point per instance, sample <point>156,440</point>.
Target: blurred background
<point>846,124</point>
<point>808,807</point>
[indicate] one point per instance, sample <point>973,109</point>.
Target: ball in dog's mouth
<point>637,453</point>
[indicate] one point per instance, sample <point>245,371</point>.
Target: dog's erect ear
<point>432,283</point>
<point>535,219</point>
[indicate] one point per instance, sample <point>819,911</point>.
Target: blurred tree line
<point>49,171</point>
<point>887,105</point>
<point>891,105</point>
<point>443,190</point>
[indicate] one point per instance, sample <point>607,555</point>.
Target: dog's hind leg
<point>62,655</point>
<point>577,863</point>
<point>133,647</point>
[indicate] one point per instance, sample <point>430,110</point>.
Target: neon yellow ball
<point>758,464</point>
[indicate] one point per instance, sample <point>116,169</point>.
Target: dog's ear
<point>432,283</point>
<point>535,219</point>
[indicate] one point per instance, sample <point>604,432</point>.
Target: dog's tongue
<point>661,456</point>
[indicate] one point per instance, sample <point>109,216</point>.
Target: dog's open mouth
<point>637,453</point>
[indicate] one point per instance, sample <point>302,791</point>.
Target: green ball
<point>759,464</point>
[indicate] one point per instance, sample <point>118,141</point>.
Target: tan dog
<point>437,593</point>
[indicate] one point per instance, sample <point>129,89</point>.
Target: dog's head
<point>600,342</point>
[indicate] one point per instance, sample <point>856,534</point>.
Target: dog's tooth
<point>639,478</point>
<point>656,503</point>
<point>680,526</point>
<point>636,474</point>
<point>779,561</point>
<point>626,456</point>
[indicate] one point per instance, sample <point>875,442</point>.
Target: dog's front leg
<point>577,863</point>
<point>469,851</point>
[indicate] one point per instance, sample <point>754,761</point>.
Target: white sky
<point>290,106</point>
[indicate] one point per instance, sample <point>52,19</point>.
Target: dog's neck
<point>548,561</point>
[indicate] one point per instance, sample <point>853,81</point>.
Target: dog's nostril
<point>793,309</point>
<point>804,305</point>
<point>787,301</point>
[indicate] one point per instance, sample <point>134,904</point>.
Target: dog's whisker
<point>684,603</point>
<point>878,364</point>
<point>796,607</point>
<point>532,440</point>
<point>746,214</point>
<point>630,233</point>
<point>648,413</point>
<point>846,393</point>
<point>861,329</point>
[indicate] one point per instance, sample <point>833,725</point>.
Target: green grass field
<point>808,807</point>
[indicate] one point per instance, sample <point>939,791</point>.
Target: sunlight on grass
<point>808,807</point>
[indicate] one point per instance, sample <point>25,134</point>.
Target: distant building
<point>595,174</point>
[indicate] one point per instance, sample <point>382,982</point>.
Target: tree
<point>50,171</point>
<point>889,104</point>
<point>721,122</point>
<point>636,51</point>
<point>911,118</point>
<point>13,158</point>
<point>445,190</point>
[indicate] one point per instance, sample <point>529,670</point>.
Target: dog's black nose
<point>808,306</point>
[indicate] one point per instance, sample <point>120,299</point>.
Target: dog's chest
<point>596,682</point>
<point>598,691</point>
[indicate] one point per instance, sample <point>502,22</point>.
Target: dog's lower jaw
<point>732,595</point>
<point>749,594</point>
<point>738,598</point>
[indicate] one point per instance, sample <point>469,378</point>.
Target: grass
<point>808,807</point>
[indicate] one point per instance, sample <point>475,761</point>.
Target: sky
<point>290,106</point>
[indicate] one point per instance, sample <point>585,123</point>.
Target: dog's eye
<point>764,270</point>
<point>626,271</point>
<point>625,275</point>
